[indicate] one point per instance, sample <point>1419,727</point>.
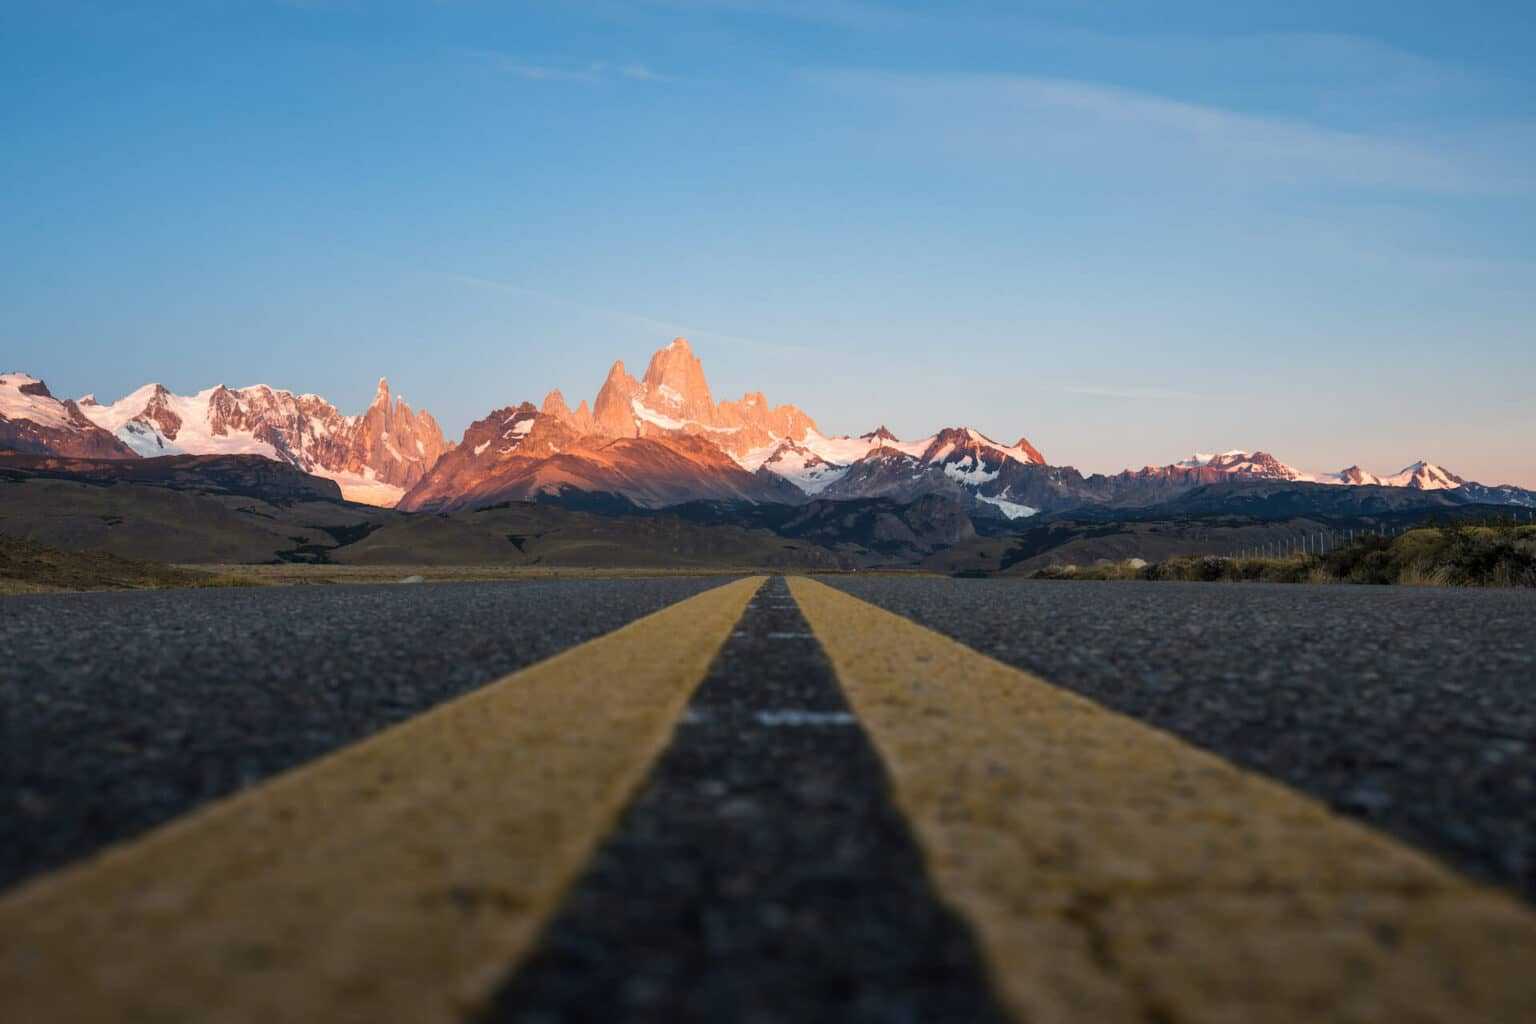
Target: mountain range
<point>657,441</point>
<point>374,458</point>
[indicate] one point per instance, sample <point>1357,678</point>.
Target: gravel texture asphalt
<point>1413,709</point>
<point>121,711</point>
<point>761,873</point>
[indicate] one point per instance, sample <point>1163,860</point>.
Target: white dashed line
<point>802,716</point>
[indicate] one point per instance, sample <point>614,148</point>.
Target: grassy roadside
<point>1496,553</point>
<point>27,567</point>
<point>295,574</point>
<point>299,574</point>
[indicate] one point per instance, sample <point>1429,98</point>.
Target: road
<point>721,802</point>
<point>762,866</point>
<point>1411,708</point>
<point>123,710</point>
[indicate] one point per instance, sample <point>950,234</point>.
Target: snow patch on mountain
<point>665,422</point>
<point>42,409</point>
<point>1011,509</point>
<point>1015,452</point>
<point>651,416</point>
<point>373,457</point>
<point>847,450</point>
<point>964,455</point>
<point>365,488</point>
<point>145,439</point>
<point>1205,459</point>
<point>1424,476</point>
<point>196,436</point>
<point>969,471</point>
<point>802,467</point>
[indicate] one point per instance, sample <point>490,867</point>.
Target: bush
<point>1494,553</point>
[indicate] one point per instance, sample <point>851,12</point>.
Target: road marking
<point>759,874</point>
<point>803,716</point>
<point>1115,873</point>
<point>396,880</point>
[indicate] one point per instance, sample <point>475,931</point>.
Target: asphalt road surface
<point>120,711</point>
<point>762,874</point>
<point>838,816</point>
<point>1411,708</point>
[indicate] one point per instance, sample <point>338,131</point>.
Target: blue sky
<point>1125,231</point>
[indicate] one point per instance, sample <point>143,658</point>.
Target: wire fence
<point>1320,542</point>
<point>1313,543</point>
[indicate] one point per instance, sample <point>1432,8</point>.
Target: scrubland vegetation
<point>1491,553</point>
<point>28,567</point>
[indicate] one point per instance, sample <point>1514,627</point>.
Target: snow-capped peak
<point>24,397</point>
<point>802,467</point>
<point>1425,476</point>
<point>1206,458</point>
<point>392,445</point>
<point>1351,475</point>
<point>1022,452</point>
<point>1246,464</point>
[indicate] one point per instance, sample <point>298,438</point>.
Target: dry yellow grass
<point>27,567</point>
<point>295,574</point>
<point>298,574</point>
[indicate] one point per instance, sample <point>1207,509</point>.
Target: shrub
<point>1498,552</point>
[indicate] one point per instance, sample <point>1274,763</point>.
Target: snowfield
<point>45,412</point>
<point>1011,509</point>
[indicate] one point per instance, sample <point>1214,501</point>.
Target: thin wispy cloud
<point>856,15</point>
<point>1345,68</point>
<point>1334,61</point>
<point>1005,116</point>
<point>594,73</point>
<point>639,73</point>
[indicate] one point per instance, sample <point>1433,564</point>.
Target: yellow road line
<point>1115,873</point>
<point>395,880</point>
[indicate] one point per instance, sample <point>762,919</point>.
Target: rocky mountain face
<point>650,472</point>
<point>244,475</point>
<point>649,442</point>
<point>705,449</point>
<point>1248,485</point>
<point>749,450</point>
<point>374,457</point>
<point>663,439</point>
<point>32,420</point>
<point>673,398</point>
<point>398,444</point>
<point>1423,476</point>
